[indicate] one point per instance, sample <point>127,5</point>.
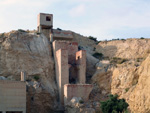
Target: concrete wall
<point>72,48</point>
<point>77,90</point>
<point>12,96</point>
<point>70,63</point>
<point>81,62</point>
<point>41,21</point>
<point>62,75</point>
<point>62,35</point>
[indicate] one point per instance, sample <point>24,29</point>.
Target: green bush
<point>114,105</point>
<point>142,38</point>
<point>59,29</point>
<point>81,101</point>
<point>2,35</point>
<point>122,39</point>
<point>21,30</point>
<point>36,77</point>
<point>93,38</point>
<point>118,60</point>
<point>139,59</point>
<point>38,33</point>
<point>127,89</point>
<point>116,39</point>
<point>98,55</point>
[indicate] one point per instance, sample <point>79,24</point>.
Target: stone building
<point>45,21</point>
<point>12,96</point>
<point>45,26</point>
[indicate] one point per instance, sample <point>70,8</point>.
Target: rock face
<point>84,43</point>
<point>20,51</point>
<point>139,98</point>
<point>77,105</point>
<point>130,48</point>
<point>129,81</point>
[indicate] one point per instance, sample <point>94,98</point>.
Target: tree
<point>114,105</point>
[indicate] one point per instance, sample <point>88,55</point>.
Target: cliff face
<point>139,98</point>
<point>130,48</point>
<point>129,79</point>
<point>20,51</point>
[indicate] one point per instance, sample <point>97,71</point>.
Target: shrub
<point>2,35</point>
<point>98,42</point>
<point>98,55</point>
<point>38,33</point>
<point>114,105</point>
<point>92,38</point>
<point>118,60</point>
<point>80,47</point>
<point>127,89</point>
<point>122,61</point>
<point>116,39</point>
<point>21,30</point>
<point>139,59</point>
<point>122,39</point>
<point>142,38</point>
<point>81,101</point>
<point>36,77</point>
<point>59,29</point>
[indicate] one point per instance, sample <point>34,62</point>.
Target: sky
<point>103,19</point>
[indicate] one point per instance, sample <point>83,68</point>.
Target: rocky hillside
<point>122,68</point>
<point>21,51</point>
<point>128,78</point>
<point>32,53</point>
<point>130,48</point>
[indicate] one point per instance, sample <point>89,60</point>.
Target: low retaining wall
<point>77,90</point>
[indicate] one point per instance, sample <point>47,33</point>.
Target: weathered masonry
<point>70,65</point>
<point>12,96</point>
<point>45,26</point>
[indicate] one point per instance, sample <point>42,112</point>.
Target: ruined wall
<point>81,62</point>
<point>62,72</point>
<point>62,35</point>
<point>77,90</point>
<point>72,48</point>
<point>12,96</point>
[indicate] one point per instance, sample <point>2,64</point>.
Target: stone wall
<point>12,96</point>
<point>77,90</point>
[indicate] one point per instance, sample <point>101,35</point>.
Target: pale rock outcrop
<point>84,43</point>
<point>90,65</point>
<point>21,51</point>
<point>139,99</point>
<point>130,48</point>
<point>129,81</point>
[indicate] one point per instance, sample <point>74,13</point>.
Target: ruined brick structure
<point>70,64</point>
<point>45,26</point>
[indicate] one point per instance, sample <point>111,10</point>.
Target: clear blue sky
<point>104,19</point>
